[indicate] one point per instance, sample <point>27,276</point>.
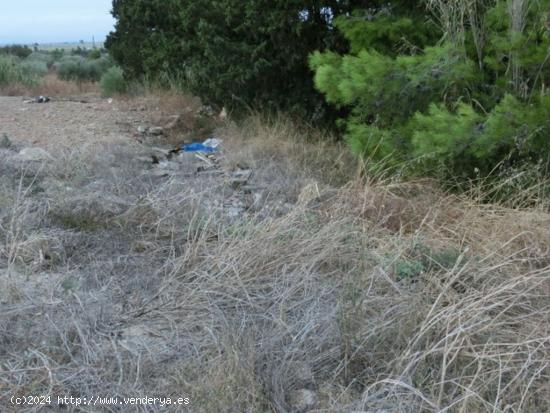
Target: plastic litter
<point>38,99</point>
<point>209,145</point>
<point>212,142</point>
<point>197,147</point>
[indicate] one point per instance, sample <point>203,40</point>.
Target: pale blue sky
<point>49,21</point>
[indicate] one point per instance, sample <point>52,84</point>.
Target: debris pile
<point>206,160</point>
<point>38,99</point>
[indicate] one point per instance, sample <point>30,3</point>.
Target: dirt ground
<point>65,122</point>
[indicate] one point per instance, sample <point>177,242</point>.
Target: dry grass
<point>51,85</point>
<point>386,297</point>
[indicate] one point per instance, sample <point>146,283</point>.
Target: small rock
<point>156,130</point>
<point>34,154</point>
<point>142,130</point>
<point>240,177</point>
<point>302,400</point>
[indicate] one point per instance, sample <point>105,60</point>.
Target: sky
<point>54,21</point>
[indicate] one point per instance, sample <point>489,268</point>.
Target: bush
<point>112,82</point>
<point>94,54</point>
<point>462,106</point>
<point>80,69</point>
<point>11,71</point>
<point>16,50</point>
<point>41,57</point>
<point>8,70</point>
<point>34,68</point>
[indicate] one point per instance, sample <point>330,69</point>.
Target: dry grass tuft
<point>379,296</point>
<point>51,85</point>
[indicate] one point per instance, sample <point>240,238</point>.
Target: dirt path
<point>62,123</point>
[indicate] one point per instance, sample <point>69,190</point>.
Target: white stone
<point>156,130</point>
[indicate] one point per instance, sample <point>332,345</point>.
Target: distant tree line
<point>20,51</point>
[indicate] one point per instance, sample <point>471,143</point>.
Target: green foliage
<point>12,71</point>
<point>389,27</point>
<point>16,50</point>
<point>80,51</point>
<point>57,54</point>
<point>230,52</point>
<point>94,54</point>
<point>443,136</point>
<point>9,70</point>
<point>44,58</point>
<point>34,68</point>
<point>463,107</point>
<point>408,269</point>
<point>422,259</point>
<point>112,82</point>
<point>80,69</point>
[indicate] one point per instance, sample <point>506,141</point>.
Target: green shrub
<point>34,68</point>
<point>8,70</point>
<point>41,57</point>
<point>80,69</point>
<point>94,54</point>
<point>112,82</point>
<point>16,50</point>
<point>11,71</point>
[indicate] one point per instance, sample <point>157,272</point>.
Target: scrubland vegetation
<point>390,251</point>
<point>54,72</point>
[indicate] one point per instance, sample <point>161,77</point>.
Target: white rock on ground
<point>156,130</point>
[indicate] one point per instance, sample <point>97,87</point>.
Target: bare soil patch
<point>65,122</point>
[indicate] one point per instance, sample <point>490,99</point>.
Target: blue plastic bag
<point>209,145</point>
<point>197,147</point>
